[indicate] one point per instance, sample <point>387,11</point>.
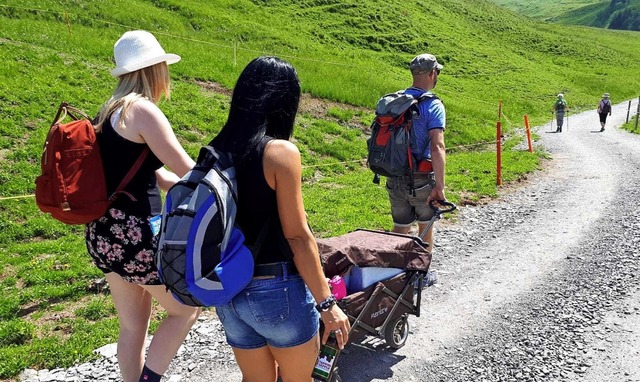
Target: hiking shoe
<point>430,278</point>
<point>601,130</point>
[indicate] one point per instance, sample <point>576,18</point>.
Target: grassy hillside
<point>545,9</point>
<point>348,52</point>
<point>611,14</point>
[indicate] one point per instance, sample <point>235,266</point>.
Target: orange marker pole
<point>499,153</point>
<point>528,128</point>
<point>500,111</point>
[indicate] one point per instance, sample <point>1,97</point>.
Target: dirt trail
<point>496,261</point>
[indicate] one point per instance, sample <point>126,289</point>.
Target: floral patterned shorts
<point>124,244</point>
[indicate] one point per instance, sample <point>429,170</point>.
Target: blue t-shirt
<point>432,116</point>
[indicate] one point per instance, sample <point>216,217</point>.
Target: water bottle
<point>326,359</point>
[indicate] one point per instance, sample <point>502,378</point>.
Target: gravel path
<point>541,285</point>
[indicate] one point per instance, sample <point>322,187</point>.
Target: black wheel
<point>397,331</point>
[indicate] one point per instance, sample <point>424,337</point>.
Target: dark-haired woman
<point>275,320</point>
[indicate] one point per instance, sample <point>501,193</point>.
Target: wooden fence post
<point>637,114</point>
<point>628,110</point>
<point>528,129</point>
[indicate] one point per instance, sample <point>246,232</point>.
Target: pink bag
<point>338,287</point>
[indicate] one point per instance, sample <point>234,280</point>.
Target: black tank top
<point>118,156</point>
<point>258,207</point>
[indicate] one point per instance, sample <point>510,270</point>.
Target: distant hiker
<point>604,109</point>
<point>274,321</point>
<point>428,149</point>
<point>123,242</point>
<point>559,108</point>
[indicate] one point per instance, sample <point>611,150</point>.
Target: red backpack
<point>72,186</point>
<point>389,147</point>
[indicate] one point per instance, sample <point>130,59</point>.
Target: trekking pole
<point>567,120</point>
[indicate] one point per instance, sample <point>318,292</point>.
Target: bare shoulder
<point>146,108</point>
<point>147,118</point>
<point>281,153</point>
<point>280,148</point>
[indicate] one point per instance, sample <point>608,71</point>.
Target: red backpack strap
<point>132,172</point>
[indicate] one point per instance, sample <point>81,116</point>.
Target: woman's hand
<point>336,321</point>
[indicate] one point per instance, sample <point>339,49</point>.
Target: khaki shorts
<point>406,209</point>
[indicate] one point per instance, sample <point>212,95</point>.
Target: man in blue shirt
<point>428,148</point>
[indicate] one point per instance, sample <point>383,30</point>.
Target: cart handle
<point>437,206</point>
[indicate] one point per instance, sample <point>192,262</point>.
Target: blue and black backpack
<point>202,258</point>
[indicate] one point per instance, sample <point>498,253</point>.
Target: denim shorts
<point>406,208</point>
<point>278,312</point>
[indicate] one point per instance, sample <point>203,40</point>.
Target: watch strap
<point>326,304</point>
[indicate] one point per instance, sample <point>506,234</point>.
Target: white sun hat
<point>139,49</point>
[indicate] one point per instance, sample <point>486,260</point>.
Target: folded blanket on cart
<point>365,248</point>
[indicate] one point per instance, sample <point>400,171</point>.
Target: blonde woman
<point>123,242</point>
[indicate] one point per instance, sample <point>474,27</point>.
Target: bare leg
<point>133,304</point>
<point>296,363</point>
<point>257,365</point>
<point>172,330</point>
<point>403,230</point>
<point>428,237</point>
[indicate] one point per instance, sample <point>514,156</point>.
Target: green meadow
<point>53,309</point>
<point>612,14</point>
<point>550,9</point>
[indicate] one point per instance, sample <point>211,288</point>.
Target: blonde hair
<point>150,83</point>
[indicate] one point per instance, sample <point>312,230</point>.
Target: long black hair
<point>264,103</point>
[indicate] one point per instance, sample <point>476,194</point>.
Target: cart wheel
<point>397,331</point>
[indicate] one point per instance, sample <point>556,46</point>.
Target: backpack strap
<point>65,109</point>
<point>132,172</point>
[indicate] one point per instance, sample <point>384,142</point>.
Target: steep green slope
<point>545,9</point>
<point>352,51</point>
<point>614,14</point>
<point>611,14</point>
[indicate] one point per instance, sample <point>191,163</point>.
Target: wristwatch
<point>326,304</point>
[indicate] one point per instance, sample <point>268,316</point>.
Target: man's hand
<point>436,194</point>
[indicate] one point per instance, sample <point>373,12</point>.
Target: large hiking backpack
<point>72,185</point>
<point>201,255</point>
<point>561,104</point>
<point>389,147</point>
<point>606,106</point>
